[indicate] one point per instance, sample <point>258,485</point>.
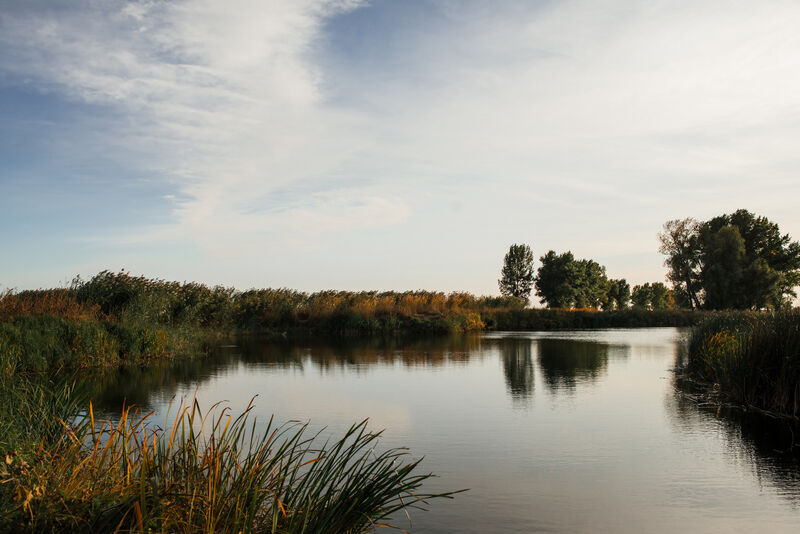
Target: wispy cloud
<point>557,123</point>
<point>223,100</point>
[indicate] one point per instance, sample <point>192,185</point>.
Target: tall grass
<point>60,302</point>
<point>204,472</point>
<point>117,318</point>
<point>753,358</point>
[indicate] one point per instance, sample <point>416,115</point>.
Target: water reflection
<point>145,386</point>
<point>623,453</point>
<point>517,355</point>
<point>766,446</point>
<point>565,363</point>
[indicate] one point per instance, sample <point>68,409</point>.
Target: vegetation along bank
<point>751,359</point>
<point>117,319</point>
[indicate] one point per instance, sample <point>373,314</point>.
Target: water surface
<point>552,432</point>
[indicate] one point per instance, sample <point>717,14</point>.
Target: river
<point>561,432</point>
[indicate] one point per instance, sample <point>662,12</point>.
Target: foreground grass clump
<point>753,358</point>
<point>204,472</point>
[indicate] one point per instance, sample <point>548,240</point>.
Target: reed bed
<point>751,358</point>
<point>116,318</point>
<point>59,302</point>
<point>203,472</point>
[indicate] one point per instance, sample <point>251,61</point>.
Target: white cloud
<point>559,125</point>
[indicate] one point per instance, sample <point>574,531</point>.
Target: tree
<point>618,294</point>
<point>564,282</point>
<point>590,284</point>
<point>661,297</point>
<point>553,279</point>
<point>768,269</point>
<point>516,276</point>
<point>642,296</point>
<point>738,260</point>
<point>680,241</point>
<point>723,259</point>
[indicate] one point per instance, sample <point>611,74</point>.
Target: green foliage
<point>655,296</point>
<point>642,296</point>
<point>32,411</point>
<point>753,358</point>
<point>564,282</point>
<point>680,242</point>
<point>516,276</point>
<point>661,297</point>
<point>723,269</point>
<point>553,279</point>
<point>590,284</point>
<point>733,261</point>
<point>116,318</point>
<point>618,295</point>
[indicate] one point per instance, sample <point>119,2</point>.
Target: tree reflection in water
<point>567,362</point>
<point>517,355</point>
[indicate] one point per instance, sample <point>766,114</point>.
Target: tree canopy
<point>564,282</point>
<point>655,296</point>
<point>516,276</point>
<point>737,261</point>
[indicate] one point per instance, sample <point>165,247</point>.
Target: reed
<point>204,472</point>
<point>114,319</point>
<point>752,358</point>
<point>61,302</point>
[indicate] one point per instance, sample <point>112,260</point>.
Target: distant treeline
<point>564,282</point>
<point>733,261</point>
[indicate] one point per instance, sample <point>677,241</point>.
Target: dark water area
<point>551,432</point>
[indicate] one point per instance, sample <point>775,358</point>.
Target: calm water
<point>552,432</point>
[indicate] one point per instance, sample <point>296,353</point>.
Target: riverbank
<point>750,359</point>
<point>116,319</point>
<point>205,471</point>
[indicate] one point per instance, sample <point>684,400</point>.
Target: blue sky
<point>387,144</point>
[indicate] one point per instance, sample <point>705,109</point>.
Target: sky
<point>385,144</point>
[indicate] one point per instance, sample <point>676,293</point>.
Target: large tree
<point>723,269</point>
<point>661,297</point>
<point>642,296</point>
<point>554,279</point>
<point>767,268</point>
<point>564,282</point>
<point>680,241</point>
<point>516,276</point>
<point>591,284</point>
<point>738,260</point>
<point>618,294</point>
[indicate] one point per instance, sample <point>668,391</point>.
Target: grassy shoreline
<point>748,359</point>
<point>64,471</point>
<point>116,319</point>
